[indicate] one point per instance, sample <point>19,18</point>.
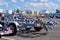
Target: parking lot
<point>50,35</point>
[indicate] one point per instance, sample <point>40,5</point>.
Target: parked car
<point>51,15</point>
<point>55,15</point>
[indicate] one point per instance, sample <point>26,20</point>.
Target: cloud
<point>43,0</point>
<point>34,4</point>
<point>22,0</point>
<point>18,7</point>
<point>1,4</point>
<point>34,0</point>
<point>5,3</point>
<point>46,4</point>
<point>14,1</point>
<point>53,5</point>
<point>1,1</point>
<point>42,6</point>
<point>58,0</point>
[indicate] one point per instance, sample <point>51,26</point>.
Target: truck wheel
<point>13,28</point>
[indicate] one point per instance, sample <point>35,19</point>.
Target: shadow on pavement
<point>31,34</point>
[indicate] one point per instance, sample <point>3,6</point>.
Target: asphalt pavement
<point>41,35</point>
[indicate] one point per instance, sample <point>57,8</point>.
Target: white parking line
<point>7,38</point>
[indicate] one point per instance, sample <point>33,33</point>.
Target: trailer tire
<point>37,28</point>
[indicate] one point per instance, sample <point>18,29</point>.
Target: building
<point>1,11</point>
<point>45,12</point>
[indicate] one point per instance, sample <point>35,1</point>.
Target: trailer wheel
<point>37,28</point>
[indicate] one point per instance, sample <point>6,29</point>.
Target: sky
<point>37,5</point>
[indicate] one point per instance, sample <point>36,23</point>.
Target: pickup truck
<point>17,23</point>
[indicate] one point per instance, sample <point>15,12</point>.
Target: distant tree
<point>12,12</point>
<point>39,12</point>
<point>17,11</point>
<point>57,11</point>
